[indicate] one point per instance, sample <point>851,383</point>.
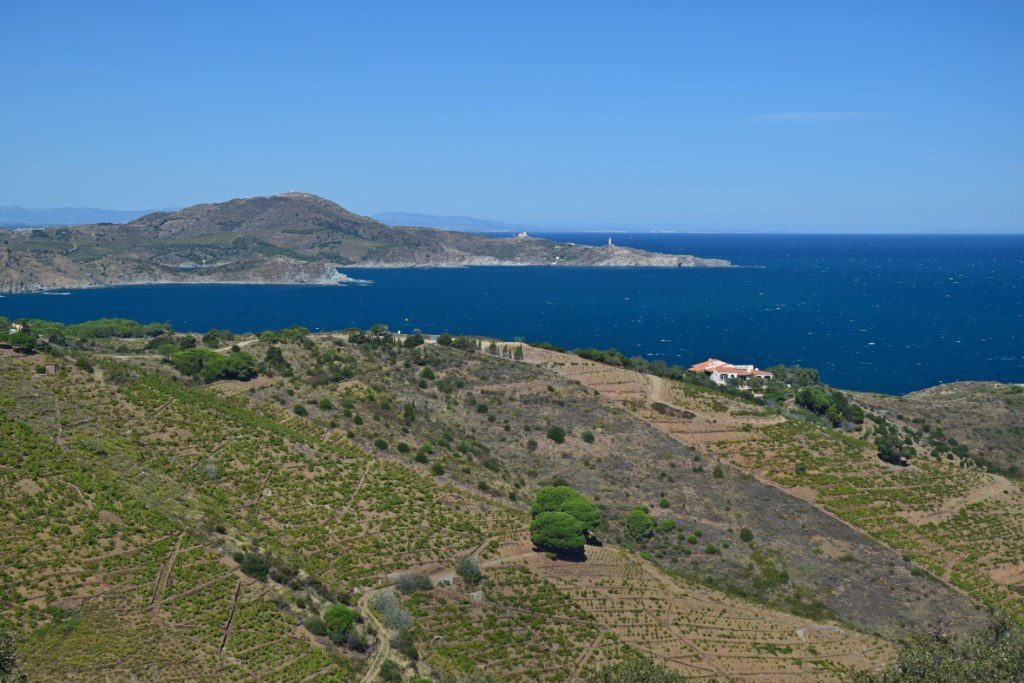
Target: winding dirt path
<point>383,646</point>
<point>241,345</point>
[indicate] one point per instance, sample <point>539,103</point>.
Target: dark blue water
<point>881,313</point>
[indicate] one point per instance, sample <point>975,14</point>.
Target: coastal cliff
<point>292,238</point>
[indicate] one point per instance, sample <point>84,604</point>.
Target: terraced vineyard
<point>114,589</point>
<point>157,528</point>
<point>97,541</point>
<point>956,521</point>
<point>703,633</point>
<point>953,520</point>
<point>521,627</point>
<point>615,604</point>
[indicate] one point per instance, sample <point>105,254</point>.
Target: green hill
<point>312,522</point>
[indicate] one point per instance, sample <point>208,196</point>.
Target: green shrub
<point>390,672</point>
<point>316,625</point>
<point>105,328</point>
<point>255,565</point>
<point>339,620</point>
<point>994,654</point>
<point>587,436</point>
<point>413,582</point>
<point>556,434</point>
<point>636,670</point>
<point>392,613</point>
<point>469,570</point>
<point>10,672</point>
<point>215,337</point>
<point>639,526</point>
<point>405,643</point>
<point>275,363</point>
<point>746,535</point>
<point>557,532</point>
<point>210,366</point>
<point>568,500</point>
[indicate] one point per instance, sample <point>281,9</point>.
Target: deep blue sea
<point>881,313</point>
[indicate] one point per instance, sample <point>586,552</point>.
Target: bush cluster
<point>210,366</point>
<point>562,519</point>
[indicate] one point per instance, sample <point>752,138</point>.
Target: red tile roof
<point>720,366</point>
<point>707,365</point>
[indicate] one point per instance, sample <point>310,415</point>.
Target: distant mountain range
<point>462,223</point>
<point>20,217</point>
<point>288,238</point>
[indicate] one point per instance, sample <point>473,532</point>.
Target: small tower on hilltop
<point>610,242</point>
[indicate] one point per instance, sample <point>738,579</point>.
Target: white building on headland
<point>719,371</point>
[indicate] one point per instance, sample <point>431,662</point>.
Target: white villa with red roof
<point>719,371</point>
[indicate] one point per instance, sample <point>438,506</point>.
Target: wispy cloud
<point>816,116</point>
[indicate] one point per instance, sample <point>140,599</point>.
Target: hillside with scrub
<point>983,420</point>
<point>290,238</point>
<point>366,506</point>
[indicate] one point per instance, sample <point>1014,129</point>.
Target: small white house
<point>719,371</point>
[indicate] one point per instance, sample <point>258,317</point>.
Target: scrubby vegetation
<point>995,654</point>
<point>835,406</point>
<point>636,670</point>
<point>10,671</point>
<point>273,521</point>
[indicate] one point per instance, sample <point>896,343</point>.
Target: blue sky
<point>811,115</point>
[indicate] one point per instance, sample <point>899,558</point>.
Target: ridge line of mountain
<point>291,238</point>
